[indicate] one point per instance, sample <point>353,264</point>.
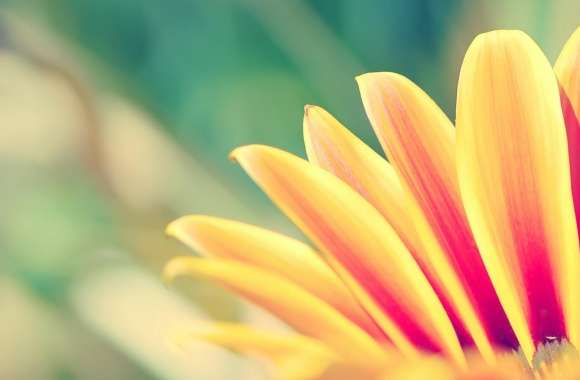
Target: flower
<point>441,262</point>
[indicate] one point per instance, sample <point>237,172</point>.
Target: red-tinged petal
<point>347,227</point>
<point>420,142</point>
<point>515,183</point>
<point>567,70</point>
<point>334,148</point>
<point>573,136</point>
<point>568,73</point>
<point>276,253</point>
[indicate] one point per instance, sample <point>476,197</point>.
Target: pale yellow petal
<point>274,252</point>
<point>303,311</point>
<point>293,356</point>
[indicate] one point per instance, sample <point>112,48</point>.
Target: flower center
<point>552,353</point>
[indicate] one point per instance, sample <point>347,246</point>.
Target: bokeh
<point>117,116</point>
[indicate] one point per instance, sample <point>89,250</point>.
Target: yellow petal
<point>568,70</point>
<point>274,252</point>
<point>347,227</point>
<point>420,143</point>
<point>295,306</point>
<point>515,183</point>
<point>335,149</point>
<point>295,357</point>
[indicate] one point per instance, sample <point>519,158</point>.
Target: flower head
<point>444,261</point>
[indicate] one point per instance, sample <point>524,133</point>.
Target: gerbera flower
<point>443,261</point>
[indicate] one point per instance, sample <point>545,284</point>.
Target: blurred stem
<point>92,151</point>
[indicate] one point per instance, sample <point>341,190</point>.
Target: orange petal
<point>567,70</point>
<point>294,305</point>
<point>515,183</point>
<point>334,148</point>
<point>420,143</point>
<point>273,252</point>
<point>347,227</point>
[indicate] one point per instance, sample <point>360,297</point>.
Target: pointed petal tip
<point>308,108</point>
<point>366,78</point>
<point>236,152</point>
<point>242,154</point>
<point>310,112</point>
<point>171,270</point>
<point>252,157</point>
<point>362,79</point>
<point>246,151</point>
<point>177,227</point>
<point>171,229</point>
<point>188,265</point>
<point>371,75</point>
<point>380,84</point>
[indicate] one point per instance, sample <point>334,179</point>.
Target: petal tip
<point>180,265</point>
<point>172,229</point>
<point>176,228</point>
<point>501,37</point>
<point>367,79</point>
<point>236,152</point>
<point>171,270</point>
<point>379,81</point>
<point>363,79</point>
<point>244,152</point>
<point>311,111</point>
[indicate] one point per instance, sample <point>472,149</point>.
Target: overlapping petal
<point>348,228</point>
<point>515,183</point>
<point>567,70</point>
<point>293,356</point>
<point>450,243</point>
<point>334,148</point>
<point>420,143</point>
<point>301,310</point>
<point>274,252</point>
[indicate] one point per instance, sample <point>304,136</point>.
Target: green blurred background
<point>117,117</point>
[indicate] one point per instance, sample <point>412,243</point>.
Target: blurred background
<point>117,116</point>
